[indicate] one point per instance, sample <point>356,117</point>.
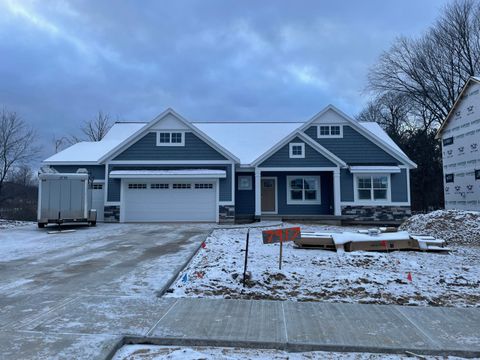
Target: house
<point>171,169</point>
<point>460,134</point>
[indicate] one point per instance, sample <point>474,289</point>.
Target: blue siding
<point>326,193</point>
<point>245,199</point>
<point>399,186</point>
<point>282,157</point>
<point>225,185</point>
<point>354,148</point>
<point>95,171</point>
<point>146,149</point>
<point>346,185</point>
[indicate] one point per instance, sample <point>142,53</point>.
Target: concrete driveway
<point>110,273</point>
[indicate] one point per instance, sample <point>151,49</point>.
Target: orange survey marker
<point>279,236</point>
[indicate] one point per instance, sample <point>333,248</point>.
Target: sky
<point>223,60</point>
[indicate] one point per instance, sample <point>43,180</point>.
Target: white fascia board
<point>372,137</point>
<point>296,169</point>
<point>142,131</point>
<point>459,97</point>
<point>166,176</point>
<point>171,162</point>
<point>70,163</point>
<point>374,169</point>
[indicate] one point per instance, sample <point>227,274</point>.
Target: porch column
<point>336,192</point>
<point>258,194</point>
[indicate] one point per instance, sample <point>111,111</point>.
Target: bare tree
<point>432,69</point>
<point>17,144</point>
<point>97,128</point>
<point>22,175</point>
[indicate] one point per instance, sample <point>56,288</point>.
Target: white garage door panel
<point>170,204</point>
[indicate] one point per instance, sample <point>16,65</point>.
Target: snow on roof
<point>248,140</point>
<point>377,131</point>
<point>198,173</point>
<point>92,151</point>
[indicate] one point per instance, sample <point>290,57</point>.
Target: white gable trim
<point>148,127</point>
<point>457,101</point>
<point>372,137</point>
<point>316,146</point>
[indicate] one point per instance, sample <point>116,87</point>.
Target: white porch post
<point>336,192</point>
<point>258,195</point>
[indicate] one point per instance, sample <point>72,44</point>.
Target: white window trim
<point>182,143</point>
<point>387,201</point>
<point>330,131</point>
<point>304,202</point>
<point>290,152</point>
<point>250,187</point>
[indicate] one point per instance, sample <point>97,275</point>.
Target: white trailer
<point>65,198</point>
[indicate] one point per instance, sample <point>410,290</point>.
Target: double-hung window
<point>372,187</point>
<point>303,190</point>
<point>170,138</point>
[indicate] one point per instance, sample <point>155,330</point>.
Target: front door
<point>269,190</point>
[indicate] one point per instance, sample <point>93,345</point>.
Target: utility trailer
<point>65,198</point>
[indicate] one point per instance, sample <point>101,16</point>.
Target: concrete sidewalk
<point>104,323</point>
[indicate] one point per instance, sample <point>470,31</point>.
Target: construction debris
<point>370,240</point>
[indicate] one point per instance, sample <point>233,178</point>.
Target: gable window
<point>330,131</point>
<point>296,150</point>
<point>372,187</point>
<point>303,190</point>
<point>244,182</point>
<point>170,138</point>
<point>449,178</point>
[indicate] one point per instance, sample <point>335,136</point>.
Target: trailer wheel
<point>92,223</point>
<point>41,225</point>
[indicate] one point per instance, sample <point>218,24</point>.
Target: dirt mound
<point>454,226</point>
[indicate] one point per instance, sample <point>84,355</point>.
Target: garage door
<point>169,201</point>
<point>98,195</point>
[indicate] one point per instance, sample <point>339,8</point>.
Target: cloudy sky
<point>62,61</point>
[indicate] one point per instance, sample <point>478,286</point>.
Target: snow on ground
<point>438,279</point>
<point>10,224</point>
<point>453,226</point>
<point>151,352</point>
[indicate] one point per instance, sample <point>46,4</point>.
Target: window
<point>449,178</point>
<point>203,186</point>
<point>335,130</point>
<point>448,141</point>
<point>372,187</point>
<point>332,131</point>
<point>182,186</point>
<point>303,190</point>
<point>244,182</point>
<point>170,138</point>
<point>477,174</point>
<point>137,186</point>
<point>97,186</point>
<point>297,150</point>
<point>159,186</point>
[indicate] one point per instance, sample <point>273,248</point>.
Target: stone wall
<point>111,213</point>
<point>226,214</point>
<point>389,213</point>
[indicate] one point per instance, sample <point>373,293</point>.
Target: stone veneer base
<point>377,213</point>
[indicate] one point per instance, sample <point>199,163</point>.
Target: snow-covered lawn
<point>451,279</point>
<point>10,224</point>
<point>150,352</point>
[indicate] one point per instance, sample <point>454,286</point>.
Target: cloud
<point>218,60</point>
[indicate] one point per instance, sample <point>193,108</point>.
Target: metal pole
<point>246,258</point>
<point>280,259</point>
